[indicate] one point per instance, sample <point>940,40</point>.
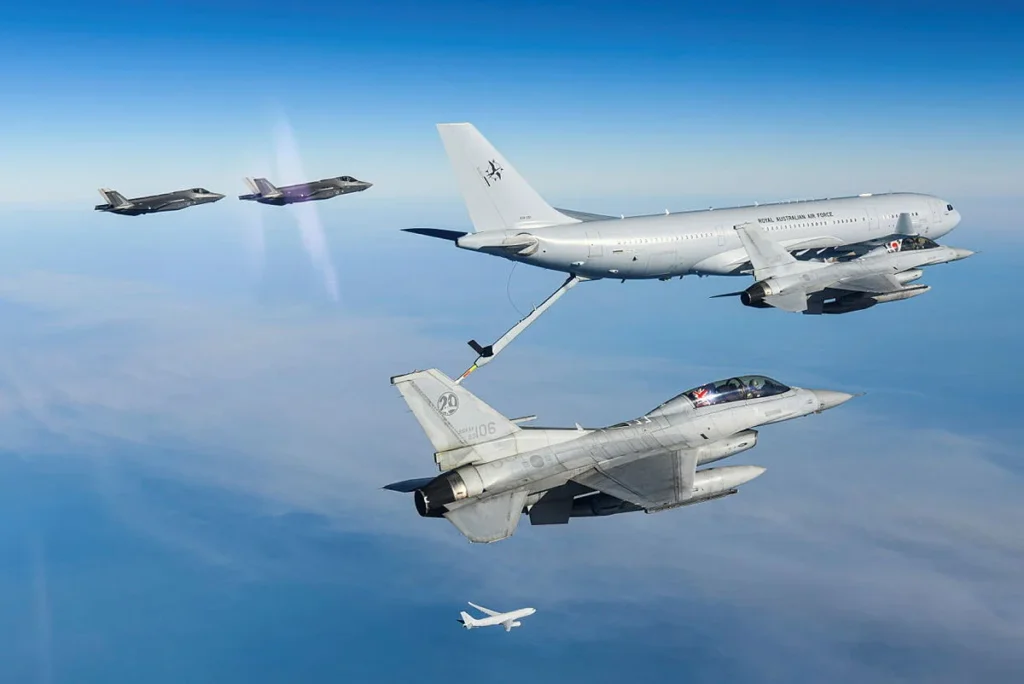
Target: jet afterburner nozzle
<point>755,295</point>
<point>447,488</point>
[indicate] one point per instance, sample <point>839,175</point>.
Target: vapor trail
<point>289,166</point>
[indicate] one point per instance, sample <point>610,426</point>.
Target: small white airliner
<point>507,620</point>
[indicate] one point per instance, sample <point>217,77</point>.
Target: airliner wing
<point>489,520</point>
<point>483,610</point>
<point>769,258</point>
<point>650,483</point>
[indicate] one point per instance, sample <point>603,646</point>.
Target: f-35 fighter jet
<point>151,204</point>
<point>816,287</point>
<point>265,192</point>
<point>494,470</point>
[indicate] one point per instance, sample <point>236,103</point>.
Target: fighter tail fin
<point>450,415</point>
<point>496,196</point>
<point>264,187</point>
<point>115,199</point>
<point>769,258</point>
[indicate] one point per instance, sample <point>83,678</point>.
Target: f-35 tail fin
<point>496,196</point>
<point>115,199</point>
<point>449,414</point>
<point>261,186</point>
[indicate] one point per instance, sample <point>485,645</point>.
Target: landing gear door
<point>594,247</point>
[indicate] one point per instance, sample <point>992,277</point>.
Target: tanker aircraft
<point>511,220</point>
<point>493,470</point>
<point>816,287</point>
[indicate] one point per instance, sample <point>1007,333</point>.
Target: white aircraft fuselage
<point>704,242</point>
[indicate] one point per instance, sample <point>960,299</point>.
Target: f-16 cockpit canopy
<point>916,242</point>
<point>725,391</point>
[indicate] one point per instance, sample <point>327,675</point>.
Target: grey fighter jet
<point>151,204</point>
<point>265,192</point>
<point>493,470</point>
<point>816,287</point>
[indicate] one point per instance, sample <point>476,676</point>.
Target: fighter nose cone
<point>962,253</point>
<point>830,399</point>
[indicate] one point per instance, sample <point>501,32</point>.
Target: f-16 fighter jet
<point>816,287</point>
<point>512,221</point>
<point>507,620</point>
<point>265,192</point>
<point>494,470</point>
<point>151,204</point>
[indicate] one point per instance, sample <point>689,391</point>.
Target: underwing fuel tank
<point>723,448</point>
<point>708,484</point>
<point>860,302</point>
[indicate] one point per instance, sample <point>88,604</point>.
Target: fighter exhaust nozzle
<point>432,500</point>
<point>755,295</point>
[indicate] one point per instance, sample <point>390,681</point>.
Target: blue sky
<point>195,415</point>
<point>739,99</point>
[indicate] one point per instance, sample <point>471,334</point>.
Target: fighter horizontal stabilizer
<point>768,257</point>
<point>489,520</point>
<point>794,301</point>
<point>408,486</point>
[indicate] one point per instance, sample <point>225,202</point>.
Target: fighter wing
<point>491,519</point>
<point>876,284</point>
<point>652,483</point>
<point>769,258</point>
<point>483,610</point>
